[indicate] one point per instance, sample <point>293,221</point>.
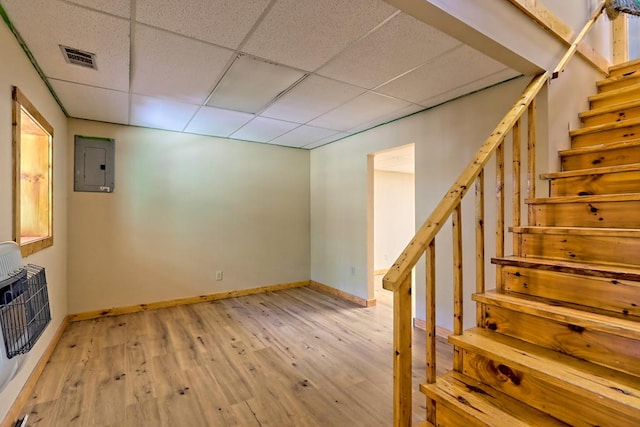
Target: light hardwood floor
<point>289,358</point>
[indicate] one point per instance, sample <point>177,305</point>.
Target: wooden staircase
<point>558,342</point>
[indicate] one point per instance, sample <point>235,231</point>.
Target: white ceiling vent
<point>79,57</point>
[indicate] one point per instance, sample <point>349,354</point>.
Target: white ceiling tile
<point>302,136</point>
<point>306,34</point>
<point>45,24</point>
<point>362,109</point>
<point>217,122</point>
<point>311,98</point>
<point>160,113</point>
<point>398,46</point>
<point>455,68</point>
<point>326,141</point>
<point>481,83</point>
<point>167,65</point>
<point>116,7</point>
<point>262,129</point>
<point>93,103</point>
<point>250,84</point>
<point>223,22</point>
<point>394,115</point>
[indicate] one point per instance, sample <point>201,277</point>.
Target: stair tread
<point>626,197</point>
<point>605,127</point>
<point>632,167</point>
<point>615,92</point>
<point>609,109</point>
<point>624,327</point>
<point>576,231</point>
<point>471,398</point>
<point>622,391</point>
<point>594,270</point>
<point>601,147</point>
<point>630,63</point>
<point>614,79</point>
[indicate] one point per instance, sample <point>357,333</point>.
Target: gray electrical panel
<point>94,165</point>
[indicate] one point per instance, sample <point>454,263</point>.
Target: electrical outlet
<point>219,275</point>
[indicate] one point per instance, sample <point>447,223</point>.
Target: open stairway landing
<point>558,343</point>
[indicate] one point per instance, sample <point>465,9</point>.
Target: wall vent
<point>79,57</point>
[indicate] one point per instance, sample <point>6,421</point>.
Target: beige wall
<point>15,70</point>
<point>184,207</point>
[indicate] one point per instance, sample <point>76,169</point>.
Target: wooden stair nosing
<point>631,167</point>
<point>631,75</point>
<point>583,269</point>
<point>621,390</point>
<point>609,109</point>
<point>585,319</point>
<point>626,197</point>
<point>600,147</point>
<point>628,64</point>
<point>475,402</point>
<point>615,92</point>
<point>605,127</point>
<point>577,231</point>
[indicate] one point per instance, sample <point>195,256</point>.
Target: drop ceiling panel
<point>326,141</point>
<point>362,109</point>
<point>302,136</point>
<point>223,22</point>
<point>45,24</point>
<point>394,115</point>
<point>160,114</point>
<point>262,129</point>
<point>93,103</point>
<point>217,122</point>
<point>251,84</point>
<point>306,34</point>
<point>398,46</point>
<point>311,98</point>
<point>116,7</point>
<point>455,68</point>
<point>167,65</point>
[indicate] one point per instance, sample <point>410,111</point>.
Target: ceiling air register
<point>24,309</point>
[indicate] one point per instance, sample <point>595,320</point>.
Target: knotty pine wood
<point>612,154</point>
<point>620,296</point>
<point>602,211</point>
<point>611,113</point>
<point>603,180</point>
<point>617,82</point>
<point>616,96</point>
<point>626,130</point>
<point>612,351</point>
<point>619,69</point>
<point>296,357</point>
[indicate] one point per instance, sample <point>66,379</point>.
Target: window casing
<point>32,178</point>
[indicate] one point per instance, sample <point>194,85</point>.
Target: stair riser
<point>611,183</point>
<point>624,70</point>
<point>614,99</point>
<point>539,393</point>
<point>616,214</point>
<point>604,349</point>
<point>616,116</point>
<point>446,417</point>
<point>607,294</point>
<point>629,133</point>
<point>579,248</point>
<point>632,78</point>
<point>614,157</point>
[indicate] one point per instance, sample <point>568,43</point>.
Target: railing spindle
<point>517,181</point>
<point>480,286</point>
<point>402,361</point>
<point>499,211</point>
<point>431,326</point>
<point>531,158</point>
<point>456,219</point>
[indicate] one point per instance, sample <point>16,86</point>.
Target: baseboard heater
<point>24,310</point>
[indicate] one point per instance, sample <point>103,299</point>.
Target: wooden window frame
<point>22,104</point>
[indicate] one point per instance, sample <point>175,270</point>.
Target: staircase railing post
<point>499,208</point>
<point>480,280</point>
<point>531,158</point>
<point>402,369</point>
<point>458,294</point>
<point>431,325</point>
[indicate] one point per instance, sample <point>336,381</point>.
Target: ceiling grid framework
<point>287,72</point>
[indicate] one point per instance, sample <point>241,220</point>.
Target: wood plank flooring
<point>297,357</point>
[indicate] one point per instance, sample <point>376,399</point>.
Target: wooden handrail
<point>427,232</point>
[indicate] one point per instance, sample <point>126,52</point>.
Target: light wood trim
<point>414,250</point>
<point>577,42</point>
<point>430,325</point>
<point>342,294</point>
<point>24,395</point>
<point>536,10</point>
<point>620,31</point>
<point>402,354</point>
<point>181,301</point>
<point>480,257</point>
